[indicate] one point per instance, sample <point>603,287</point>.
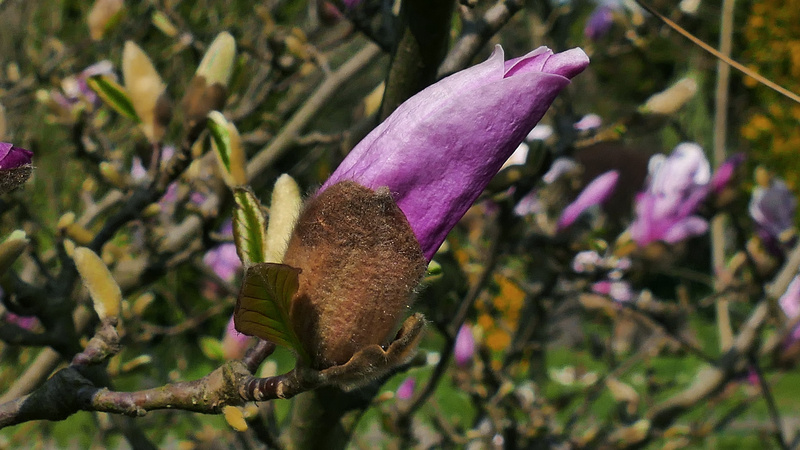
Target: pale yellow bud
<point>668,102</point>
<point>103,289</point>
<point>217,64</point>
<point>284,209</point>
<point>145,87</point>
<point>12,248</point>
<point>104,15</point>
<point>235,418</point>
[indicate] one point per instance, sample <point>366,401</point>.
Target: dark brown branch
<point>477,34</point>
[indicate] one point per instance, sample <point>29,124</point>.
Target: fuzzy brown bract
<point>360,266</point>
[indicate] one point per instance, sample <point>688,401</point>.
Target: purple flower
<point>25,322</point>
<point>406,389</point>
<point>465,346</point>
<point>223,259</point>
<point>76,88</point>
<point>560,167</point>
<point>595,193</point>
<point>790,304</point>
<point>586,261</point>
<point>773,208</point>
<point>438,151</point>
<point>724,173</point>
<point>529,204</point>
<point>12,157</point>
<point>234,344</point>
<point>677,186</point>
<point>588,122</point>
<point>618,290</point>
<point>599,22</point>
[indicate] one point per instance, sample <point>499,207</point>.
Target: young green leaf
<point>114,95</point>
<point>228,147</point>
<point>262,309</point>
<point>249,227</point>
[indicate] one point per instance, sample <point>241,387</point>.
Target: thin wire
<point>749,72</point>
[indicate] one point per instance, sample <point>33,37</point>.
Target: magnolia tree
<point>254,264</point>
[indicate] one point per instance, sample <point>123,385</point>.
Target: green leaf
<point>435,272</point>
<point>113,95</point>
<point>249,227</point>
<point>228,147</point>
<point>262,309</point>
<point>221,140</point>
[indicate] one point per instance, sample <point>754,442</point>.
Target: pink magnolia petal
<point>595,193</point>
<point>438,151</point>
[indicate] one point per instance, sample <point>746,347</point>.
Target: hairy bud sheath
<point>360,265</point>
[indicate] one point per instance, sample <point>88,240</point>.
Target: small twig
<point>736,65</point>
<point>291,130</point>
<point>451,329</point>
<point>720,130</point>
<point>773,409</point>
<point>257,354</point>
<point>477,34</point>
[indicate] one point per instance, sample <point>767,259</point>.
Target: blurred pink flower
<point>223,259</point>
<point>677,186</point>
<point>724,173</point>
<point>234,344</point>
<point>599,22</point>
<point>588,122</point>
<point>790,304</point>
<point>595,193</point>
<point>406,389</point>
<point>618,290</point>
<point>773,209</point>
<point>464,347</point>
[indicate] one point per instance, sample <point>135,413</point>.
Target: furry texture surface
<point>360,266</point>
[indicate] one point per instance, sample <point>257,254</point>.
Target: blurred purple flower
<point>724,173</point>
<point>529,204</point>
<point>618,290</point>
<point>559,167</point>
<point>12,157</point>
<point>75,88</point>
<point>438,151</point>
<point>773,209</point>
<point>595,193</point>
<point>599,22</point>
<point>26,322</point>
<point>588,122</point>
<point>586,261</point>
<point>223,259</point>
<point>406,389</point>
<point>677,186</point>
<point>790,304</point>
<point>234,344</point>
<point>464,347</point>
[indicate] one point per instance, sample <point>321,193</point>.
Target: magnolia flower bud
<point>668,102</point>
<point>15,166</point>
